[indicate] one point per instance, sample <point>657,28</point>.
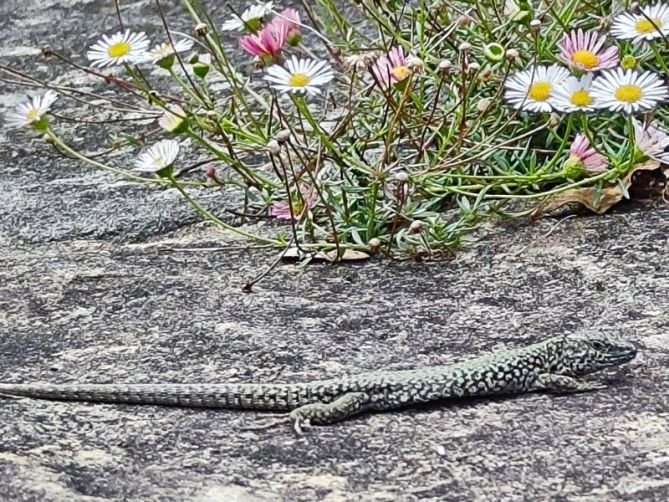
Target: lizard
<point>552,365</point>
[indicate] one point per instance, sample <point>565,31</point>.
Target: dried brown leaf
<point>587,196</point>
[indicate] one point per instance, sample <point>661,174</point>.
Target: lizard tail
<point>282,397</point>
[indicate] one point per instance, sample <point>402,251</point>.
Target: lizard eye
<point>598,345</point>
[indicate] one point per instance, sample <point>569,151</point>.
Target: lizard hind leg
<point>341,408</point>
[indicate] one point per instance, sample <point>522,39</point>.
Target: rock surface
<point>104,281</point>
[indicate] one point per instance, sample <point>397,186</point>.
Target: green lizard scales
<point>551,365</point>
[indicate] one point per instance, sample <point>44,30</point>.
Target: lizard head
<point>588,351</point>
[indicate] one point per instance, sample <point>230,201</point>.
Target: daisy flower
<point>628,91</point>
<point>164,51</point>
<point>122,47</point>
<point>534,89</point>
<point>652,141</point>
<point>174,119</point>
<point>651,23</point>
<point>268,43</point>
<point>291,18</point>
<point>583,159</point>
<point>585,51</point>
<point>31,112</point>
<point>392,67</point>
<point>304,201</point>
<point>251,18</point>
<point>158,156</point>
<point>574,95</point>
<point>300,76</point>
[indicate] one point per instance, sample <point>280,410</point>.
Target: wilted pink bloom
<point>290,18</point>
<point>307,200</point>
<point>267,43</point>
<point>583,50</point>
<point>392,67</point>
<point>583,157</point>
<point>651,140</point>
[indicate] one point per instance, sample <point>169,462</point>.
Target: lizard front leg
<point>326,413</point>
<point>562,384</point>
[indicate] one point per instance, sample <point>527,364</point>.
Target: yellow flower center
<point>585,58</point>
<point>159,160</point>
<point>400,73</point>
<point>629,93</point>
<point>646,26</point>
<point>581,98</point>
<point>299,80</point>
<point>298,207</point>
<point>628,62</point>
<point>32,115</point>
<point>540,91</point>
<point>119,49</point>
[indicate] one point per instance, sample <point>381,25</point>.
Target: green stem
<point>659,58</point>
<point>214,219</point>
<point>57,141</point>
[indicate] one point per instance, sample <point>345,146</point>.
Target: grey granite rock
<point>102,281</point>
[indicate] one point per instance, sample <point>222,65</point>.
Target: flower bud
<point>486,74</point>
<point>553,120</point>
<point>511,54</point>
<point>201,29</point>
<point>283,136</point>
<point>535,25</point>
<point>484,105</point>
<point>464,47</point>
<point>273,147</point>
<point>416,227</point>
<point>628,62</point>
<point>415,64</point>
<point>473,67</point>
<point>573,168</point>
<point>374,244</point>
<point>401,176</point>
<point>445,66</point>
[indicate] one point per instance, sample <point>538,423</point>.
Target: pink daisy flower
<point>306,201</point>
<point>392,67</point>
<point>290,18</point>
<point>583,158</point>
<point>267,43</point>
<point>585,51</point>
